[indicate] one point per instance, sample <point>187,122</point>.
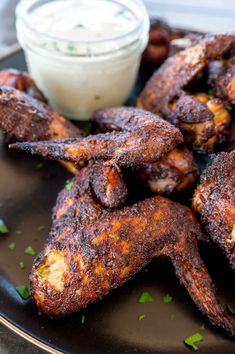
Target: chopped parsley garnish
<point>40,227</point>
<point>3,227</point>
<point>12,246</point>
<point>30,251</point>
<point>79,25</point>
<point>97,97</point>
<point>39,166</point>
<point>23,291</point>
<point>230,310</point>
<point>41,272</point>
<point>83,319</point>
<point>69,185</point>
<point>141,317</point>
<point>112,236</point>
<point>172,317</point>
<point>19,232</point>
<point>71,47</point>
<point>22,265</point>
<point>167,298</point>
<point>145,297</point>
<point>194,338</point>
<point>211,93</point>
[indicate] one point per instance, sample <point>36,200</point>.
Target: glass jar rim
<point>23,6</point>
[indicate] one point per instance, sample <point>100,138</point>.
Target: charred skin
<point>175,172</point>
<point>167,86</point>
<point>146,139</point>
<point>90,251</point>
<point>225,81</point>
<point>26,118</point>
<point>203,121</point>
<point>214,200</point>
<point>21,81</point>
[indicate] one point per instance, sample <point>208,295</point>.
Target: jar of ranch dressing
<point>83,54</point>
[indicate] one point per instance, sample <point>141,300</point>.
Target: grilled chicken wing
<point>175,172</point>
<point>22,82</point>
<point>27,119</point>
<point>145,138</point>
<point>165,93</point>
<point>214,200</point>
<point>91,251</point>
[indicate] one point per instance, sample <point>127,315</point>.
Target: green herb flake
<point>22,265</point>
<point>30,251</point>
<point>23,291</point>
<point>39,166</point>
<point>97,98</point>
<point>230,310</point>
<point>211,93</point>
<point>69,186</point>
<point>19,232</point>
<point>71,47</point>
<point>202,327</point>
<point>146,270</point>
<point>12,246</point>
<point>167,298</point>
<point>195,338</point>
<point>40,227</point>
<point>41,272</point>
<point>172,317</point>
<point>83,319</point>
<point>3,227</point>
<point>112,236</point>
<point>145,297</point>
<point>141,317</point>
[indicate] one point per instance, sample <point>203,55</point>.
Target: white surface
<point>204,15</point>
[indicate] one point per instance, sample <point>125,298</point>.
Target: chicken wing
<point>225,81</point>
<point>22,82</point>
<point>146,138</point>
<point>27,119</point>
<point>91,251</point>
<point>214,200</point>
<point>165,93</point>
<point>175,172</point>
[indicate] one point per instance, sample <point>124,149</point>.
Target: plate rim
<point>27,336</point>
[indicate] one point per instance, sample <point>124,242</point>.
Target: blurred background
<point>202,15</point>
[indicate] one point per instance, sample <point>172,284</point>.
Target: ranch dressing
<point>83,54</point>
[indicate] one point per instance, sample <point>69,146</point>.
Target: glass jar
<point>81,54</point>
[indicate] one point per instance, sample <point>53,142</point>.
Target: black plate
<point>111,325</point>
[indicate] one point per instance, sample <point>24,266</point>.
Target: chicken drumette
<point>214,200</point>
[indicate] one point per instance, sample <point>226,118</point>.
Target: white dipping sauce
<point>83,54</point>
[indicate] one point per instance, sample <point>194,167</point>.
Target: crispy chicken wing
<point>27,119</point>
<point>175,172</point>
<point>144,138</point>
<point>214,200</point>
<point>165,93</point>
<point>91,251</point>
<point>22,82</point>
